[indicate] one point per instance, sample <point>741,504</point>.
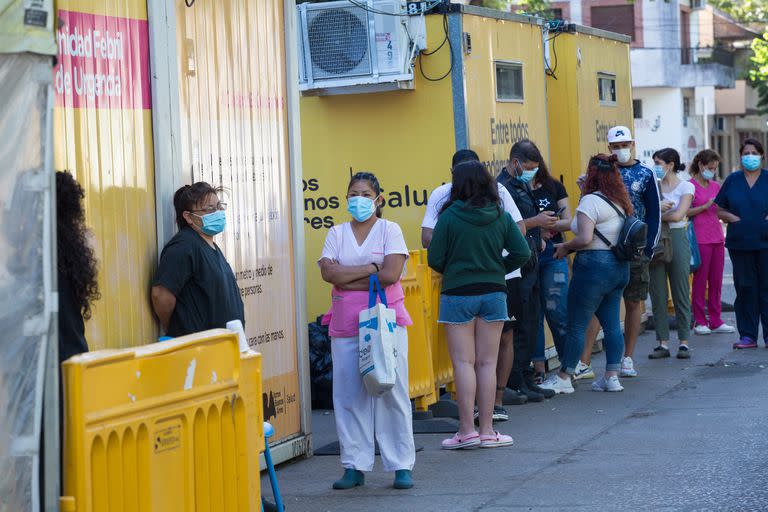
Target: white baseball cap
<point>619,134</point>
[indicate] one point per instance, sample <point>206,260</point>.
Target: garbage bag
<point>321,366</point>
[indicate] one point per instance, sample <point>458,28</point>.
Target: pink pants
<point>709,273</point>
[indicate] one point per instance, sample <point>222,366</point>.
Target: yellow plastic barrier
<point>175,425</point>
<point>441,359</point>
<point>421,376</point>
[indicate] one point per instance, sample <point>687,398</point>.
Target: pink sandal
<point>458,442</point>
<point>495,440</point>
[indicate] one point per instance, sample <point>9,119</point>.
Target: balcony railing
<point>707,56</point>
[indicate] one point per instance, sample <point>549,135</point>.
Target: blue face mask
<point>361,208</point>
<point>751,162</point>
<point>214,223</point>
<point>527,176</point>
<point>660,172</point>
<point>707,174</point>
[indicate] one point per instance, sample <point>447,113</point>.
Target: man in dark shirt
<point>194,288</point>
<point>523,300</point>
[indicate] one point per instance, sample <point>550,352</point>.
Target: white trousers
<point>360,415</point>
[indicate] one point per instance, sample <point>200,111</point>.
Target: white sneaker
<point>583,371</point>
<point>702,330</point>
<point>611,384</point>
<point>724,329</point>
<point>627,367</point>
<point>558,385</point>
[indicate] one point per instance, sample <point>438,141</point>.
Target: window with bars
<point>606,87</point>
<point>509,81</point>
<point>637,109</point>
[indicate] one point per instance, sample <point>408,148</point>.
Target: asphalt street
<point>684,435</point>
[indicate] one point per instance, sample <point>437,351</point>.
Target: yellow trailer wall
<point>103,135</point>
<point>578,122</point>
<point>493,126</point>
<point>233,109</point>
<point>404,137</point>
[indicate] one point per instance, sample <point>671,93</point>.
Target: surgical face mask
<point>213,223</point>
<point>526,176</point>
<point>361,208</point>
<point>624,155</point>
<point>707,174</point>
<point>659,171</point>
<point>751,162</point>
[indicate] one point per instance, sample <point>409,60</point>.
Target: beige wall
<point>731,101</point>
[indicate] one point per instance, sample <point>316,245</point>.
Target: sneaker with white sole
<point>583,371</point>
<point>627,367</point>
<point>724,329</point>
<point>558,385</point>
<point>611,384</point>
<point>702,330</point>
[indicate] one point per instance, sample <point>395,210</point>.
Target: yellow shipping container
<point>590,91</point>
<point>407,137</point>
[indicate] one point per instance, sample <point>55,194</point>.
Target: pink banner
<point>103,62</point>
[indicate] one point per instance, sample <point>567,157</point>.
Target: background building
<point>689,68</point>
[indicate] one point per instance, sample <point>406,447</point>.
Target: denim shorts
<point>462,309</point>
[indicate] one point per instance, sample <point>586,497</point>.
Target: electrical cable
<point>450,48</point>
<point>551,70</point>
<point>189,3</point>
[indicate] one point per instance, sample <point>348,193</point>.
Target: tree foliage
<point>744,10</point>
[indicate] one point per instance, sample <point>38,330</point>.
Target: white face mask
<point>624,155</point>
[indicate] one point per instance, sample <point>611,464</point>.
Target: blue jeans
<point>553,276</point>
<point>596,288</point>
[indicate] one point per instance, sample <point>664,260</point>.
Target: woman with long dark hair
<point>708,278</point>
<point>743,203</point>
<point>77,283</point>
<point>466,248</point>
<point>353,252</point>
<point>674,266</point>
<point>551,196</point>
<point>76,264</point>
<point>599,277</point>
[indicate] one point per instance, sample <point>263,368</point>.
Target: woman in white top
<point>677,196</point>
<point>353,252</point>
<point>599,277</point>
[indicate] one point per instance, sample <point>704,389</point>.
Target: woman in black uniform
<point>195,288</point>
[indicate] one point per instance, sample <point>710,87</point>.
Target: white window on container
<point>509,81</point>
<point>606,88</point>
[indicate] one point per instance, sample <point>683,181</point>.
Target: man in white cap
<point>644,194</point>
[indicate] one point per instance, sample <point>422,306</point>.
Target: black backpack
<point>632,238</point>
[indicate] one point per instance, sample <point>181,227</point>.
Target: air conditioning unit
<point>357,46</point>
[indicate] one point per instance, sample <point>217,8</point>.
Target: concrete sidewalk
<point>684,435</point>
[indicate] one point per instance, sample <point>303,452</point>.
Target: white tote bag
<point>376,338</point>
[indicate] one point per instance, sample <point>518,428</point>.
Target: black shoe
<point>513,397</point>
<point>532,395</point>
<point>500,413</point>
<point>548,393</point>
<point>659,353</point>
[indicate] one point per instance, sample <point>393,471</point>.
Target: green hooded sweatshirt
<point>467,243</point>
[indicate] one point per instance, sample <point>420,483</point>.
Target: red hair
<point>603,176</point>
